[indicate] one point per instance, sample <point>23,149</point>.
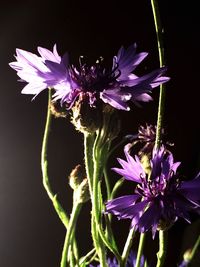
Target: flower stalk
<point>44,166</point>
<point>70,233</point>
<point>159,33</point>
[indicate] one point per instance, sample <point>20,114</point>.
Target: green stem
<point>88,151</point>
<point>106,177</point>
<point>159,33</point>
<point>87,256</point>
<point>70,232</point>
<point>107,243</point>
<point>96,203</point>
<point>140,249</point>
<point>193,252</point>
<point>44,166</point>
<point>89,166</point>
<point>127,247</point>
<point>162,248</point>
<point>116,187</point>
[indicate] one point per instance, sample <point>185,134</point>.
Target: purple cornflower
<point>115,86</point>
<point>159,200</point>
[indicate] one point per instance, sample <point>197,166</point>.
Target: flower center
<point>93,78</point>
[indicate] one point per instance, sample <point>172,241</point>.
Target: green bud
<point>84,117</point>
<point>82,194</point>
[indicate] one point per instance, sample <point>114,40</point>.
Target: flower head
<point>115,86</point>
<point>158,200</point>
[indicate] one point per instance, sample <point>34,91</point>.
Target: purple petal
<point>33,89</point>
<point>149,218</point>
<point>127,60</point>
<point>48,55</point>
<point>121,206</point>
<point>131,169</point>
<point>116,98</point>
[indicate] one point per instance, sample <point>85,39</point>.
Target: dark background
<point>30,233</point>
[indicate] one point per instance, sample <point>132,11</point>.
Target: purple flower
<point>159,200</point>
<point>115,86</point>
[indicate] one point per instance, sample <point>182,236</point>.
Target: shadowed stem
<point>140,249</point>
<point>162,248</point>
<point>127,247</point>
<point>70,232</point>
<point>194,250</point>
<point>159,32</point>
<point>96,204</point>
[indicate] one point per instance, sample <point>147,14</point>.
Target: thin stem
<point>87,256</point>
<point>140,249</point>
<point>159,33</point>
<point>116,187</point>
<point>106,177</point>
<point>194,250</point>
<point>44,166</point>
<point>107,243</point>
<point>96,204</point>
<point>127,247</point>
<point>160,43</point>
<point>89,166</point>
<point>88,151</point>
<point>162,248</point>
<point>70,232</point>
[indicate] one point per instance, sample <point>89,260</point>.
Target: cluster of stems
<point>97,148</point>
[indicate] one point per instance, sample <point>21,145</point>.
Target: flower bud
<point>76,177</point>
<point>85,117</point>
<point>81,194</point>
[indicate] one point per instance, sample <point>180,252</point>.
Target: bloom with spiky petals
<point>115,86</point>
<point>159,200</point>
<point>33,69</point>
<point>145,139</point>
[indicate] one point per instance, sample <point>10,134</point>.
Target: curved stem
<point>162,248</point>
<point>70,232</point>
<point>87,256</point>
<point>140,249</point>
<point>116,187</point>
<point>44,166</point>
<point>109,246</point>
<point>127,247</point>
<point>159,33</point>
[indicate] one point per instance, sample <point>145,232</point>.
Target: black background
<point>30,233</point>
